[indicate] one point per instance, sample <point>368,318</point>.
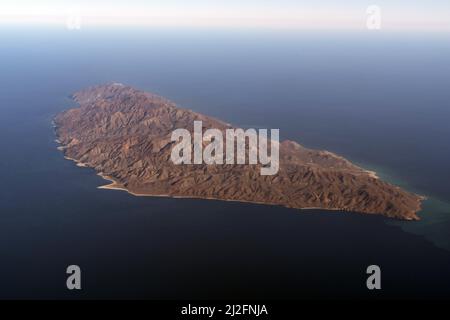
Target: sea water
<point>381,100</point>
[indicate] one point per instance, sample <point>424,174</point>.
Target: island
<point>125,135</point>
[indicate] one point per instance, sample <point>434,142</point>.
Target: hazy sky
<point>433,15</point>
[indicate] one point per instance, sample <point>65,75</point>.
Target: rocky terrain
<point>125,135</point>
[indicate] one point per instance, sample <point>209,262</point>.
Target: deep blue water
<point>381,100</point>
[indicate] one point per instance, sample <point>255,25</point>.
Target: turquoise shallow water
<point>434,223</point>
<point>434,216</point>
<point>381,100</point>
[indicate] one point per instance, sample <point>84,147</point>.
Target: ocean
<point>379,99</point>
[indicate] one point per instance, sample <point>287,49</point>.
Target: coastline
<point>372,174</point>
<point>115,185</point>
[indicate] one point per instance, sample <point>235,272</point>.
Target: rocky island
<point>125,135</point>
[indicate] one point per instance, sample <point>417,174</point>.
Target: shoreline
<point>78,163</point>
<point>371,174</point>
<point>401,223</point>
<point>115,185</point>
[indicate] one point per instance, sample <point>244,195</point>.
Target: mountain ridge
<point>125,135</point>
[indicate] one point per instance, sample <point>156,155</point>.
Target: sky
<point>422,15</point>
